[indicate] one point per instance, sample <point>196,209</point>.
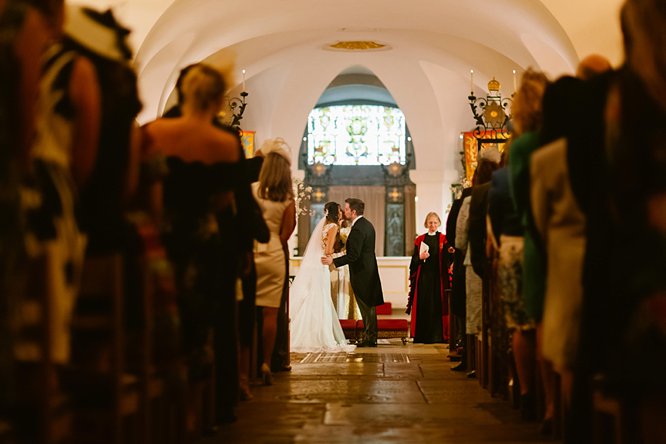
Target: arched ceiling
<point>493,38</point>
<point>432,45</point>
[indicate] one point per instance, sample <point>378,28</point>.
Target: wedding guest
<point>341,289</point>
<point>105,194</point>
<point>527,117</point>
<point>617,173</point>
<point>457,283</point>
<point>559,222</point>
<point>429,277</point>
<point>509,231</point>
<point>196,169</point>
<point>23,37</point>
<point>274,194</point>
<point>240,229</point>
<point>473,282</point>
<point>63,157</point>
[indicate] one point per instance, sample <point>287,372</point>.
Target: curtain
<point>375,203</point>
<point>410,221</point>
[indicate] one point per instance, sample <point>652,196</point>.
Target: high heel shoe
<point>266,374</point>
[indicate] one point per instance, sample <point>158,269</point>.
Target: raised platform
<point>388,325</point>
<point>393,272</point>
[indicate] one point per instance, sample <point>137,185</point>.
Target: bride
<point>314,320</point>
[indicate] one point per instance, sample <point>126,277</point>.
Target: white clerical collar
<point>431,234</point>
<point>357,218</point>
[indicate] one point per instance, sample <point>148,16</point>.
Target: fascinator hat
<point>277,146</point>
<point>98,32</point>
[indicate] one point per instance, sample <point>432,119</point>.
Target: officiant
<point>429,278</point>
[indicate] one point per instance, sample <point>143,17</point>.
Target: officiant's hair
<point>356,205</point>
<point>428,216</point>
<point>331,211</point>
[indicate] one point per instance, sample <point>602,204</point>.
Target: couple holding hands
<point>314,322</point>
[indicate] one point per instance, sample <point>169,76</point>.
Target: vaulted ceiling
<point>491,37</point>
<point>431,46</point>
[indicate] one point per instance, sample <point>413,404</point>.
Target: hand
<point>327,260</point>
<point>451,250</point>
<point>424,255</point>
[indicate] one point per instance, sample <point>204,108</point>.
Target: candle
<point>244,80</point>
<point>471,80</point>
<point>514,81</point>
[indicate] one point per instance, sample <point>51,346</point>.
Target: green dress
<point>534,268</point>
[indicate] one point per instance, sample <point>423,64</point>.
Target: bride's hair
<point>331,212</point>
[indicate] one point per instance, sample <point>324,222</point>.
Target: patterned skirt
<point>509,282</point>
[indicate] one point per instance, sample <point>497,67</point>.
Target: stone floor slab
<point>390,394</point>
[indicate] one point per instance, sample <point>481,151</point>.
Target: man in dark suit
<point>363,270</point>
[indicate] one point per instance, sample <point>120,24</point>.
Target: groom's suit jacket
<point>363,270</point>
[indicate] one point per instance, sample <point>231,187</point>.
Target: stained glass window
<point>356,135</point>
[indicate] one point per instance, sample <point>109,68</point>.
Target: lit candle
<point>471,80</point>
<point>244,80</point>
<point>514,81</point>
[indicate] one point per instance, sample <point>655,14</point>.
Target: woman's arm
<point>85,96</point>
<point>288,223</point>
<point>331,236</point>
<point>134,162</point>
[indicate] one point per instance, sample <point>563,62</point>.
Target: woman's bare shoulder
<point>156,136</point>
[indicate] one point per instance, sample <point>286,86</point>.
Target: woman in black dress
<point>429,279</point>
<point>198,171</point>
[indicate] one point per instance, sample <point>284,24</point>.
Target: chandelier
<point>491,113</point>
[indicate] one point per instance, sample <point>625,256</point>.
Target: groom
<point>364,274</point>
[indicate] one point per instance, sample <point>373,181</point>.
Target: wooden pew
<point>107,396</point>
<point>43,412</point>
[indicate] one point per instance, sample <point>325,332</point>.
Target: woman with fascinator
<point>314,319</point>
<point>274,194</point>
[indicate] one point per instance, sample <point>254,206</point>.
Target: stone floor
<point>390,394</point>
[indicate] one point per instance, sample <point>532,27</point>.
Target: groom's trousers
<point>369,315</point>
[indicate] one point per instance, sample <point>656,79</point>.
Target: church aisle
<point>389,394</point>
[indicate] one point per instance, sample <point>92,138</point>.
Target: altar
<point>393,272</point>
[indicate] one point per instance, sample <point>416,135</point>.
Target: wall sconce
<point>237,106</point>
<point>490,112</point>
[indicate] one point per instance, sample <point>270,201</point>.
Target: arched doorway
<point>357,144</point>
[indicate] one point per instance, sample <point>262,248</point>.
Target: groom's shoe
<point>366,344</point>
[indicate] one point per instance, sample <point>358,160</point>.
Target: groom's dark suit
<point>364,275</point>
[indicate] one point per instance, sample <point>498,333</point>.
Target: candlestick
<point>514,81</point>
<point>471,81</point>
<point>243,80</point>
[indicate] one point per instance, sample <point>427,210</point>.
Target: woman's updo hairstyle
<point>203,86</point>
<point>331,212</point>
<point>526,108</point>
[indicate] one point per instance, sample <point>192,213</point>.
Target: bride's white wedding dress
<point>314,320</point>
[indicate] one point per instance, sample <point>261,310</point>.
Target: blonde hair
<point>275,178</point>
<point>526,112</point>
<point>428,216</point>
<point>203,86</point>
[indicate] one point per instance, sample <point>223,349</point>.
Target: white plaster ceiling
<point>433,44</point>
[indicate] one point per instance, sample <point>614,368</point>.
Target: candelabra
<point>491,113</point>
<point>237,107</point>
